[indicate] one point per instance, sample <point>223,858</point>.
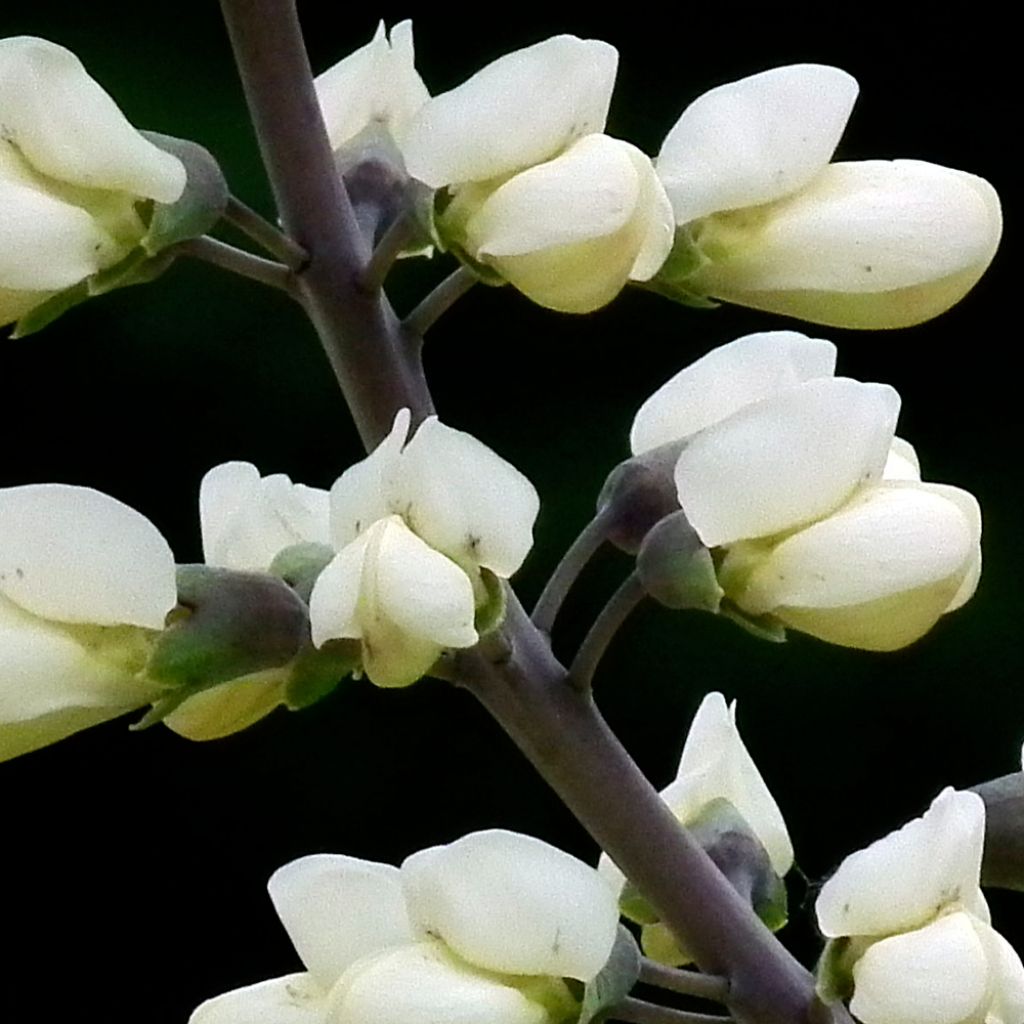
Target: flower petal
<point>247,519</point>
<point>755,140</point>
<point>75,555</point>
<point>338,909</point>
<point>229,707</point>
<point>294,999</point>
<point>465,500</point>
<point>902,463</point>
<point>520,110</point>
<point>67,127</point>
<point>725,380</point>
<point>424,984</point>
<point>935,975</point>
<point>716,764</point>
<point>1007,977</point>
<point>334,601</point>
<point>901,881</point>
<point>351,90</point>
<point>469,891</point>
<point>786,460</point>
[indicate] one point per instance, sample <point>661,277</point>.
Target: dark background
<point>134,864</point>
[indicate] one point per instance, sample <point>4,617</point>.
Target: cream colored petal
<point>902,463</point>
<point>52,686</point>
<point>334,601</point>
<point>520,110</point>
<point>406,91</point>
<point>653,219</point>
<point>465,500</point>
<point>424,984</point>
<point>67,127</point>
<point>786,460</point>
<point>915,235</point>
<point>338,909</point>
<point>725,380</point>
<point>468,892</point>
<point>247,519</point>
<point>903,880</point>
<point>716,764</point>
<point>755,140</point>
<point>294,999</point>
<point>891,539</point>
<point>229,707</point>
<point>47,244</point>
<point>75,555</point>
<point>968,505</point>
<point>1007,973</point>
<point>351,91</point>
<point>935,975</point>
<point>365,492</point>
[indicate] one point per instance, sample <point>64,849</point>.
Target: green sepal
<point>227,625</point>
<point>54,307</point>
<point>834,971</point>
<point>200,206</point>
<point>764,627</point>
<point>300,565</point>
<point>483,273</point>
<point>678,293</point>
<point>317,672</point>
<point>138,267</point>
<point>491,613</point>
<point>614,981</point>
<point>676,569</point>
<point>634,907</point>
<point>685,259</point>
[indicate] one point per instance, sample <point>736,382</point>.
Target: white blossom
<point>535,192</point>
<point>768,222</point>
<point>72,173</point>
<point>486,928</point>
<point>818,511</point>
<point>920,946</point>
<point>416,525</point>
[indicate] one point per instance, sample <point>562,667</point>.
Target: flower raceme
<point>431,941</point>
<point>717,781</point>
<point>73,173</point>
<point>815,513</point>
<point>765,220</point>
<point>910,931</point>
<point>423,530</point>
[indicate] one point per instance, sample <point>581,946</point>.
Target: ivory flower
<point>85,584</point>
<point>419,528</point>
<point>766,221</point>
<point>534,192</point>
<point>715,766</point>
<point>817,512</point>
<point>910,927</point>
<point>73,172</point>
<point>431,941</point>
<point>376,85</point>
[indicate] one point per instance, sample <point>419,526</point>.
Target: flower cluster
<point>814,510</point>
<point>909,928</point>
<point>486,928</point>
<point>414,540</point>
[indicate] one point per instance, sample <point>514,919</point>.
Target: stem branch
<point>265,234</point>
<point>238,261</point>
<point>387,250</point>
<point>687,983</point>
<point>439,301</point>
<point>603,631</point>
<point>638,1011</point>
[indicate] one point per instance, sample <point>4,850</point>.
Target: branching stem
<point>439,301</point>
<point>637,1011</point>
<point>264,234</point>
<point>603,631</point>
<point>387,250</point>
<point>238,261</point>
<point>573,562</point>
<point>687,983</point>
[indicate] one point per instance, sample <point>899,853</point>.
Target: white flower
<point>376,85</point>
<point>715,765</point>
<point>72,171</point>
<point>766,221</point>
<point>819,513</point>
<point>565,214</point>
<point>432,941</point>
<point>915,925</point>
<point>416,527</point>
<point>85,584</point>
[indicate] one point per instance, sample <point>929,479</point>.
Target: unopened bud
<point>676,569</point>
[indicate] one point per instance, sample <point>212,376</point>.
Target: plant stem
<point>1003,864</point>
<point>573,562</point>
<point>603,631</point>
<point>238,261</point>
<point>439,301</point>
<point>386,252</point>
<point>638,1011</point>
<point>359,331</point>
<point>687,983</point>
<point>265,234</point>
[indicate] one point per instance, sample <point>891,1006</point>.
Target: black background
<point>134,864</point>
